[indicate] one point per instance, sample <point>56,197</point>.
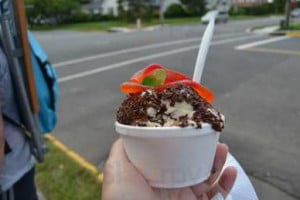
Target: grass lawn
<point>60,178</point>
<point>241,17</point>
<point>105,25</point>
<point>88,26</point>
<point>295,26</point>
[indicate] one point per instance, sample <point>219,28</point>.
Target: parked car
<point>220,16</point>
<point>295,12</point>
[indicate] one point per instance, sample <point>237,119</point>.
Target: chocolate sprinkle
<point>133,110</point>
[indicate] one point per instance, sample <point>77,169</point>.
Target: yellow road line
<point>277,51</point>
<point>293,34</point>
<point>77,158</point>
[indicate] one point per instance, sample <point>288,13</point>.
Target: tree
<point>175,10</point>
<point>279,6</point>
<point>133,9</point>
<point>50,11</point>
<point>136,9</point>
<point>122,10</point>
<point>287,14</point>
<point>194,7</point>
<point>85,1</point>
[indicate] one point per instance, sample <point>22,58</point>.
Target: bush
<point>149,13</point>
<point>85,17</point>
<point>263,9</point>
<point>79,17</point>
<point>258,10</point>
<point>175,10</point>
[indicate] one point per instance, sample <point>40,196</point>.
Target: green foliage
<point>131,10</point>
<point>121,10</point>
<point>150,13</point>
<point>85,1</point>
<point>80,17</point>
<point>50,11</point>
<point>277,7</point>
<point>175,10</point>
<point>136,9</point>
<point>194,7</point>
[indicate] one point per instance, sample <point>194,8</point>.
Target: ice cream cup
<point>170,157</point>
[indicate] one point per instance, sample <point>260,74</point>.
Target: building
<point>247,3</point>
<point>106,7</point>
<point>220,5</point>
<point>94,7</point>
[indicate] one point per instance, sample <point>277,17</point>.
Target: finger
<point>227,180</point>
<point>225,183</point>
<point>219,160</point>
<point>117,152</point>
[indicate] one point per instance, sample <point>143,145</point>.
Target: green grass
<point>181,21</point>
<point>105,25</point>
<point>88,26</point>
<point>60,178</point>
<point>242,17</point>
<point>295,26</point>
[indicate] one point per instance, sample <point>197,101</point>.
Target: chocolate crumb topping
<point>134,109</point>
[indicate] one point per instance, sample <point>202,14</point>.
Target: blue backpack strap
<point>46,86</point>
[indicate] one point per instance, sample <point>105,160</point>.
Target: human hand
<point>122,181</point>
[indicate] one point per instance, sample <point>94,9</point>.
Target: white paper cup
<point>170,157</point>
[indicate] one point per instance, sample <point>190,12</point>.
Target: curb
<point>76,157</point>
<point>295,34</point>
<point>130,30</point>
<point>40,195</point>
<point>271,30</point>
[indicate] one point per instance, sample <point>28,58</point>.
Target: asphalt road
<point>258,91</point>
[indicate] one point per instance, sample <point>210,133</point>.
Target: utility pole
<point>161,12</point>
<point>287,13</point>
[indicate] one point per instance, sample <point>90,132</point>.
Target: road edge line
<point>295,34</point>
<point>270,50</point>
<point>76,157</point>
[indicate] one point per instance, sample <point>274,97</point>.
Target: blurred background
<point>252,67</point>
